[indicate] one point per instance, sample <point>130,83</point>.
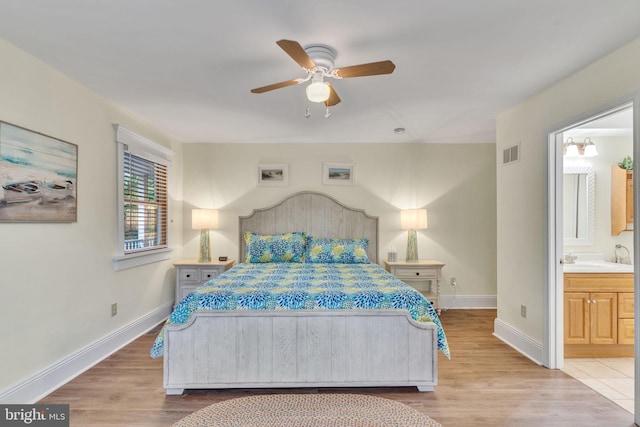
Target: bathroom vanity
<point>598,309</point>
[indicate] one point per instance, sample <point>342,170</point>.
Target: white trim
<point>122,262</point>
<point>140,145</point>
<point>49,379</point>
<point>519,341</point>
<point>468,301</point>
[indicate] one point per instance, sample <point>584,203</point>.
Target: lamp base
<point>412,246</point>
<point>205,247</point>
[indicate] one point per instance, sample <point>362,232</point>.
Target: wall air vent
<point>511,154</point>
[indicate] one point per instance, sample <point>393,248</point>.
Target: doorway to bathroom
<point>598,253</point>
<point>592,244</point>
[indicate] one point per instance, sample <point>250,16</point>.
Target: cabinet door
<point>576,318</point>
<point>621,200</point>
<point>626,331</point>
<point>604,318</point>
<point>625,305</point>
<point>629,197</point>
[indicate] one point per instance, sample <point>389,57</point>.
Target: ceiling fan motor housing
<point>322,55</point>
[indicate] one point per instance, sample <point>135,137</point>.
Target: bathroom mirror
<point>579,204</point>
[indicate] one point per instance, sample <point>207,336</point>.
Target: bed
<point>300,313</point>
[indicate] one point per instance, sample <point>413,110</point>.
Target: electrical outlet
<point>114,309</point>
<point>454,282</point>
<point>523,311</point>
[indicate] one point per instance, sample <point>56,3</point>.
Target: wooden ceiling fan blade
<point>333,97</point>
<point>371,69</point>
<point>274,86</point>
<point>297,53</point>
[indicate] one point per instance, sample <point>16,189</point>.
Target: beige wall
<point>520,186</point>
<point>456,183</point>
<point>57,281</point>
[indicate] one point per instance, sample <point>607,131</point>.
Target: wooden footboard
<point>267,349</point>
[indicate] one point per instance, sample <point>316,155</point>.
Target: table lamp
<point>204,220</point>
<point>412,220</point>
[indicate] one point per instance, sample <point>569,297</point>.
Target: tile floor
<point>612,378</point>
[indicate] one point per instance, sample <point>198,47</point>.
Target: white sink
<point>597,267</point>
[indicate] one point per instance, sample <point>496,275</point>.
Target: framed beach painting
<point>38,175</point>
<point>273,175</point>
<point>338,173</point>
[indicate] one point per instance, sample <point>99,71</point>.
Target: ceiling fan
<point>318,61</point>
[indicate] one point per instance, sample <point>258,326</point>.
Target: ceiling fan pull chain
<point>327,113</point>
<point>307,113</point>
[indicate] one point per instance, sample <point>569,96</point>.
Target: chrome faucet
<point>622,259</point>
<point>570,258</point>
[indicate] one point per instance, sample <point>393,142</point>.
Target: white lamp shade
<point>572,151</point>
<point>590,150</point>
<point>204,219</point>
<point>318,92</point>
<point>413,219</point>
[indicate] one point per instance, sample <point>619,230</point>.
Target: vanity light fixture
<point>204,220</point>
<point>412,220</point>
<point>577,149</point>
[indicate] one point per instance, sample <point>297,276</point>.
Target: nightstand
<point>190,274</point>
<point>420,275</point>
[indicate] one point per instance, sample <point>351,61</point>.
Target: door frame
<point>553,339</point>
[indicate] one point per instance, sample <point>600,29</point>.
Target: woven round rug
<point>308,410</point>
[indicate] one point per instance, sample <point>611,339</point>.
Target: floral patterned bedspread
<point>304,286</point>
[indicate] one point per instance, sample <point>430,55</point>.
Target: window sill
<point>122,262</point>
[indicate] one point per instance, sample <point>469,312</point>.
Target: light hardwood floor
<point>486,383</point>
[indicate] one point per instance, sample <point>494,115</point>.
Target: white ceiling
<point>187,66</point>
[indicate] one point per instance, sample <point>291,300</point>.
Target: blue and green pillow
<point>287,247</point>
<point>344,251</point>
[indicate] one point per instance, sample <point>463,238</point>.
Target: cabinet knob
<point>188,275</point>
<point>418,273</point>
<point>208,276</point>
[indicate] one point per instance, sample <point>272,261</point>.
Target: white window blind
<point>145,204</point>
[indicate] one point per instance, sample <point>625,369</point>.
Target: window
<point>143,167</point>
<point>145,204</point>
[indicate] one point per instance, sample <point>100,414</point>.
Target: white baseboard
<point>468,301</point>
<point>519,341</point>
<point>44,382</point>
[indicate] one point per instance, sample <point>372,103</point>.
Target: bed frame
<point>305,348</point>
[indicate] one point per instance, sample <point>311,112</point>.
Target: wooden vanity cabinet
<point>621,200</point>
<point>598,314</point>
<point>591,318</point>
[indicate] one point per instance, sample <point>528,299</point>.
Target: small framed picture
<point>338,173</point>
<point>273,175</point>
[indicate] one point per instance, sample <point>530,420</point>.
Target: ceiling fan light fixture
<point>318,91</point>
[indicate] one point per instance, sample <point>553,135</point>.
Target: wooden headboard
<point>315,213</point>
